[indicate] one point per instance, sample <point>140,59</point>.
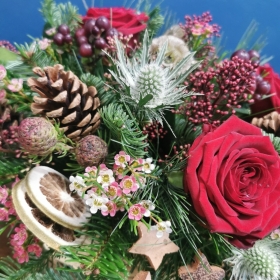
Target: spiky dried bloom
<point>37,136</point>
<point>261,262</point>
<point>223,89</point>
<point>146,84</point>
<point>91,151</point>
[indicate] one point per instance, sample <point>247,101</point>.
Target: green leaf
<point>145,100</point>
<point>175,178</point>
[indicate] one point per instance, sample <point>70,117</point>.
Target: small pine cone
<point>269,122</point>
<point>37,136</point>
<point>91,151</point>
<point>64,98</point>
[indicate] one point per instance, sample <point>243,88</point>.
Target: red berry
<point>103,23</point>
<point>254,55</point>
<point>111,32</point>
<point>63,29</point>
<point>89,25</point>
<point>85,50</point>
<point>58,39</point>
<point>82,40</point>
<point>242,54</point>
<point>263,87</point>
<point>67,39</point>
<point>79,32</point>
<point>100,43</point>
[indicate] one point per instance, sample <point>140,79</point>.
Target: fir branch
<point>11,270</point>
<point>10,168</point>
<point>33,56</point>
<point>108,252</point>
<point>124,130</point>
<point>56,15</point>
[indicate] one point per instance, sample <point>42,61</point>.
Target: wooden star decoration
<point>201,271</point>
<point>152,247</point>
<point>143,275</point>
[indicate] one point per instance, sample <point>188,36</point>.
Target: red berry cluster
<point>154,130</point>
<point>94,34</point>
<point>63,35</point>
<point>222,90</point>
<point>260,86</point>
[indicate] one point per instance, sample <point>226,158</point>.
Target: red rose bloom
<point>232,177</point>
<point>272,102</point>
<point>126,21</point>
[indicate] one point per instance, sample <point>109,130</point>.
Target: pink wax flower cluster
<point>112,190</point>
<point>200,26</point>
<point>24,244</point>
<point>6,205</point>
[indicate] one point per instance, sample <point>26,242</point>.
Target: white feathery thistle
<point>147,84</point>
<point>261,262</point>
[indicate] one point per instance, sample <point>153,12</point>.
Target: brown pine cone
<point>269,122</point>
<point>64,98</point>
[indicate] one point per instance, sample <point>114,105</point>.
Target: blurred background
<point>20,19</point>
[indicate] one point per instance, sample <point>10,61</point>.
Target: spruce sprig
<point>107,253</point>
<point>56,15</point>
<point>10,270</point>
<point>124,130</point>
<point>10,168</point>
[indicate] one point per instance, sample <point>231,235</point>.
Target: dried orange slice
<point>49,191</point>
<point>52,234</point>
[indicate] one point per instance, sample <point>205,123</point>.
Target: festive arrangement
<point>128,152</point>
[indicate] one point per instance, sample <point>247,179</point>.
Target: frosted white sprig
<point>147,84</point>
<point>261,262</point>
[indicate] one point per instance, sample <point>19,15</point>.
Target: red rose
<point>272,102</point>
<point>126,21</point>
<point>232,177</point>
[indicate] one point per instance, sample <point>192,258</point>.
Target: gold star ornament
<point>152,247</point>
<point>201,270</point>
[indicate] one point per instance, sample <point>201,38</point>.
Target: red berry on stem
<point>103,23</point>
<point>79,32</point>
<point>263,87</point>
<point>58,39</point>
<point>241,54</point>
<point>82,40</point>
<point>63,29</point>
<point>100,43</point>
<point>68,38</point>
<point>85,50</point>
<point>89,25</point>
<point>253,54</point>
<point>111,32</point>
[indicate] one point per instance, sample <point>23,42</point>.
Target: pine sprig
<point>107,254</point>
<point>124,130</point>
<point>11,168</point>
<point>9,270</point>
<point>55,14</point>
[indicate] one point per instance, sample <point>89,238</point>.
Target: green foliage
<point>10,270</point>
<point>124,130</point>
<point>107,253</point>
<point>33,56</point>
<point>274,139</point>
<point>55,14</point>
<point>9,169</point>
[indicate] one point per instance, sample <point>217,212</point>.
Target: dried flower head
<point>148,85</point>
